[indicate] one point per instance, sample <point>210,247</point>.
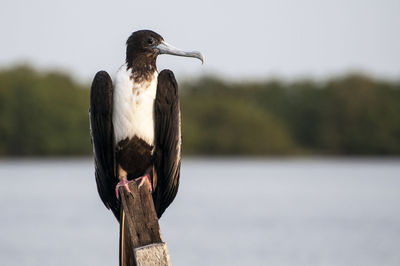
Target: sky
<point>240,39</point>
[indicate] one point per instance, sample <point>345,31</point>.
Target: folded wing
<point>167,153</point>
<point>101,128</point>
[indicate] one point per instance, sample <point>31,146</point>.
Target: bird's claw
<point>143,179</point>
<point>123,183</point>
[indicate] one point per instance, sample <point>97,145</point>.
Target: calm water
<point>227,212</point>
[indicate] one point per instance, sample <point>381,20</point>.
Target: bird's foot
<point>143,179</point>
<point>123,183</point>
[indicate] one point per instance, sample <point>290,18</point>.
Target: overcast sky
<point>240,39</point>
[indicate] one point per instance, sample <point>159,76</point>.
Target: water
<point>227,212</point>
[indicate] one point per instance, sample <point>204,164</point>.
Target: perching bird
<point>135,124</point>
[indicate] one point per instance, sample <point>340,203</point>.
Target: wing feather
<point>101,127</point>
<point>167,153</point>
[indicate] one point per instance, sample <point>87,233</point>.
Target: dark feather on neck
<point>142,66</point>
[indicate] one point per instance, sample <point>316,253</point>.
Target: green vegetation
<point>43,114</point>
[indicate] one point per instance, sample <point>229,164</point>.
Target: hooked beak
<point>165,48</point>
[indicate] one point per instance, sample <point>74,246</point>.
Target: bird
<point>135,124</point>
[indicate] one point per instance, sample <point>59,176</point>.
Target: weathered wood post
<point>140,217</point>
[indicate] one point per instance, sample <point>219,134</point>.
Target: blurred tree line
<point>43,114</point>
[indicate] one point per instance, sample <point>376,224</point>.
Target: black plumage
<point>102,132</point>
<point>135,156</point>
<point>167,153</point>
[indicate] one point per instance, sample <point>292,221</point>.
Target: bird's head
<point>143,47</point>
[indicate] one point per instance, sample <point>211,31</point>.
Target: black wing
<point>101,127</point>
<point>167,152</point>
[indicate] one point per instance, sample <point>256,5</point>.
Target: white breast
<point>133,107</point>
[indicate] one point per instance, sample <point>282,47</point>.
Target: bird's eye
<point>150,41</point>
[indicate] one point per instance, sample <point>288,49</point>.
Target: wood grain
<point>140,219</point>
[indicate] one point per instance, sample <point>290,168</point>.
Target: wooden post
<point>141,220</point>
